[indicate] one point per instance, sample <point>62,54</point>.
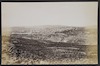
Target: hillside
<point>32,45</point>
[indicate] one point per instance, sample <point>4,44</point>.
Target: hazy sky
<point>49,13</point>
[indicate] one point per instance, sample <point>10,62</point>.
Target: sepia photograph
<point>49,33</point>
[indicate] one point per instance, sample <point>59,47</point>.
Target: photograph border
<point>56,1</point>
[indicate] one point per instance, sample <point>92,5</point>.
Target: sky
<point>49,13</point>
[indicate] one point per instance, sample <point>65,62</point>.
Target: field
<point>57,47</point>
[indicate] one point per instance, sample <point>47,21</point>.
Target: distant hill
<point>67,34</point>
